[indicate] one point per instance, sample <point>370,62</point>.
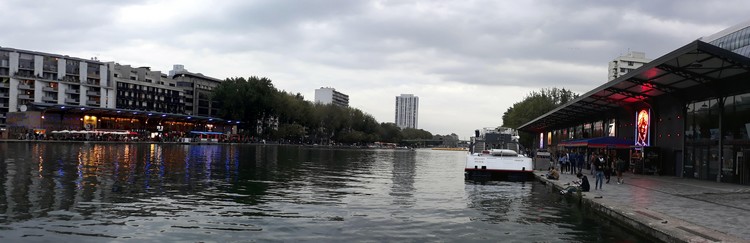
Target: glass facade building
<point>698,98</point>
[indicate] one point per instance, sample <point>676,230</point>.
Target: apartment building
<point>35,77</point>
<point>140,88</point>
<point>197,89</point>
<point>329,95</point>
<point>626,63</point>
<point>407,111</point>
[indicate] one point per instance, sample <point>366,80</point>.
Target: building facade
<point>142,89</point>
<point>331,96</point>
<point>407,111</point>
<point>685,114</point>
<point>35,77</point>
<point>197,89</point>
<point>624,64</point>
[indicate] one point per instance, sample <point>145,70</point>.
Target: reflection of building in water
<point>84,179</point>
<point>404,171</point>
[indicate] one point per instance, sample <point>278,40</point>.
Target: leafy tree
<point>256,102</point>
<point>534,105</point>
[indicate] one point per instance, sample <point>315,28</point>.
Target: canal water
<point>89,192</point>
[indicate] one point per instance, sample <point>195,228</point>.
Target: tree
<point>534,105</point>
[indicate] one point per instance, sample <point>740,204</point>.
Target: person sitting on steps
<point>552,174</point>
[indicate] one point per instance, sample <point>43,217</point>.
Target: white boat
<point>495,155</point>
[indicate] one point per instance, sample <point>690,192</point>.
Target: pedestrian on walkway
<point>573,163</point>
<point>581,157</point>
<point>592,162</point>
<point>599,167</point>
<point>621,166</point>
<point>608,167</point>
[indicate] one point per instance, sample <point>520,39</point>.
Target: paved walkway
<point>672,209</point>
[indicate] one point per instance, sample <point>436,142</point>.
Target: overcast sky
<point>468,61</point>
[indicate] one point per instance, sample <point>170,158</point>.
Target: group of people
<point>602,168</point>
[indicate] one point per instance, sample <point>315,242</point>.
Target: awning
<point>696,71</point>
<point>600,142</point>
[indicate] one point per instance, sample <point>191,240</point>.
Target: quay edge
<point>648,223</point>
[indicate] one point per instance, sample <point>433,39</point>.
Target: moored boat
<point>496,155</point>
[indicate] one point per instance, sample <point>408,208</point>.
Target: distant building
<point>331,96</point>
<point>146,90</point>
<point>626,63</point>
<point>197,89</point>
<point>34,77</point>
<point>407,111</point>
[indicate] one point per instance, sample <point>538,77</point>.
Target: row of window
<point>734,41</point>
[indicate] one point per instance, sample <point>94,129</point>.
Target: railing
<point>24,96</point>
<point>71,79</point>
<point>93,92</point>
<point>49,89</point>
<point>24,74</point>
<point>24,86</point>
<point>49,76</point>
<point>92,103</point>
<point>72,91</point>
<point>4,105</point>
<point>47,98</point>
<point>3,95</point>
<point>4,85</point>
<point>72,101</point>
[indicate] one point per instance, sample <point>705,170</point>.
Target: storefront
<point>685,114</point>
<point>41,120</point>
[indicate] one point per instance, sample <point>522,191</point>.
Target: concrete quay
<point>670,209</point>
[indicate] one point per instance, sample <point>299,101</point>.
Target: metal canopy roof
<point>88,110</point>
<point>695,71</point>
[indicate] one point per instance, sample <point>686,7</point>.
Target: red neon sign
<point>642,127</point>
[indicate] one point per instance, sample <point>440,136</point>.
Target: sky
<point>468,61</point>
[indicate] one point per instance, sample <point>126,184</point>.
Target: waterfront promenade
<point>670,208</point>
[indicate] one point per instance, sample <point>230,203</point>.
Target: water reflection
<point>169,192</point>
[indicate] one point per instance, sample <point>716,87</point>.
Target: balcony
<point>4,85</point>
<point>26,65</point>
<point>92,103</point>
<point>3,95</point>
<point>92,81</point>
<point>72,91</point>
<point>71,79</point>
<point>24,97</point>
<point>93,93</point>
<point>24,74</point>
<point>72,101</point>
<point>50,67</point>
<point>49,76</point>
<point>3,105</point>
<point>25,86</point>
<point>49,99</point>
<point>49,89</point>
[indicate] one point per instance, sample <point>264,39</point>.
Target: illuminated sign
<point>541,140</point>
<point>549,137</point>
<point>642,127</point>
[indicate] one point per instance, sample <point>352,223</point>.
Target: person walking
<point>599,173</point>
<point>592,162</point>
<point>621,166</point>
<point>608,167</point>
<point>573,162</point>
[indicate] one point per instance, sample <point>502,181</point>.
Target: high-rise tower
<point>407,111</point>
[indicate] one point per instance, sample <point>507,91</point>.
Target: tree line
<point>259,107</point>
<point>533,105</point>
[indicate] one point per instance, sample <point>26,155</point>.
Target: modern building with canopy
<point>686,113</point>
